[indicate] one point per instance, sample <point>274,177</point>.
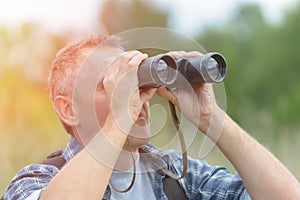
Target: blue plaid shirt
<point>201,182</point>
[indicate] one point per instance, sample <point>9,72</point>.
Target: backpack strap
<point>173,189</point>
<point>56,159</point>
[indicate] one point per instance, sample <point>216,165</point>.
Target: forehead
<point>96,62</point>
<point>99,59</point>
<point>107,52</point>
<point>92,68</point>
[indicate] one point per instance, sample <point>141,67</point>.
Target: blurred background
<point>260,40</point>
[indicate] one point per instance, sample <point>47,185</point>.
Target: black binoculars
<point>164,70</point>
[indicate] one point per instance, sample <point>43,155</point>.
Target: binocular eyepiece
<point>163,69</point>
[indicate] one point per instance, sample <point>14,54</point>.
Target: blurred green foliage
<point>29,129</point>
<point>261,87</point>
<point>263,63</point>
<point>118,16</point>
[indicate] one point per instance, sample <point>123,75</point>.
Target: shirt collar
<point>153,153</point>
<point>73,147</point>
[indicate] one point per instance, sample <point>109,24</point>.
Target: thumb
<point>146,95</point>
<point>164,92</point>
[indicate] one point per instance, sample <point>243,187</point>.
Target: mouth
<point>141,115</point>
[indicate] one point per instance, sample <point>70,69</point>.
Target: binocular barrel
<point>163,69</point>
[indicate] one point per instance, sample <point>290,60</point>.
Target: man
<point>98,157</point>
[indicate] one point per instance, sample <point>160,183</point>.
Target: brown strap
<point>182,142</point>
<point>133,176</point>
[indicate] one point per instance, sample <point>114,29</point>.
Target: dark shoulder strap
<point>56,159</point>
<point>173,189</point>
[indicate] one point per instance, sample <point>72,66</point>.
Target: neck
<point>125,161</point>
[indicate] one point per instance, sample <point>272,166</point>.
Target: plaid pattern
<point>201,182</point>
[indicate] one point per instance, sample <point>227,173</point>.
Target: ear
<point>63,107</point>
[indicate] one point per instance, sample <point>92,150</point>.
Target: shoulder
<point>30,179</point>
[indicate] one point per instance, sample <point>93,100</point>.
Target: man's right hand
<point>120,83</point>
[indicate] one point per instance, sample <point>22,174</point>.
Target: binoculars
<point>164,70</point>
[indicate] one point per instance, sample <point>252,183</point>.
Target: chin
<point>141,121</point>
<point>137,142</point>
<point>140,133</point>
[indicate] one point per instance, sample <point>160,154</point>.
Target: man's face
<point>140,132</point>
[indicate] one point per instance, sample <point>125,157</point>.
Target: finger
<point>131,60</point>
<point>137,60</point>
<point>129,70</point>
<point>127,56</point>
<point>177,54</point>
<point>120,60</point>
<point>146,95</point>
<point>126,53</point>
<point>193,54</point>
<point>168,94</point>
<point>120,64</point>
<point>211,90</point>
<point>112,67</point>
<point>184,54</point>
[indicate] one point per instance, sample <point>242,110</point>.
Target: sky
<point>187,16</point>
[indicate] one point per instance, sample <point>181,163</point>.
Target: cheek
<point>101,108</point>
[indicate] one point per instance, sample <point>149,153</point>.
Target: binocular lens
<point>157,71</point>
<point>214,69</point>
<point>164,72</point>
